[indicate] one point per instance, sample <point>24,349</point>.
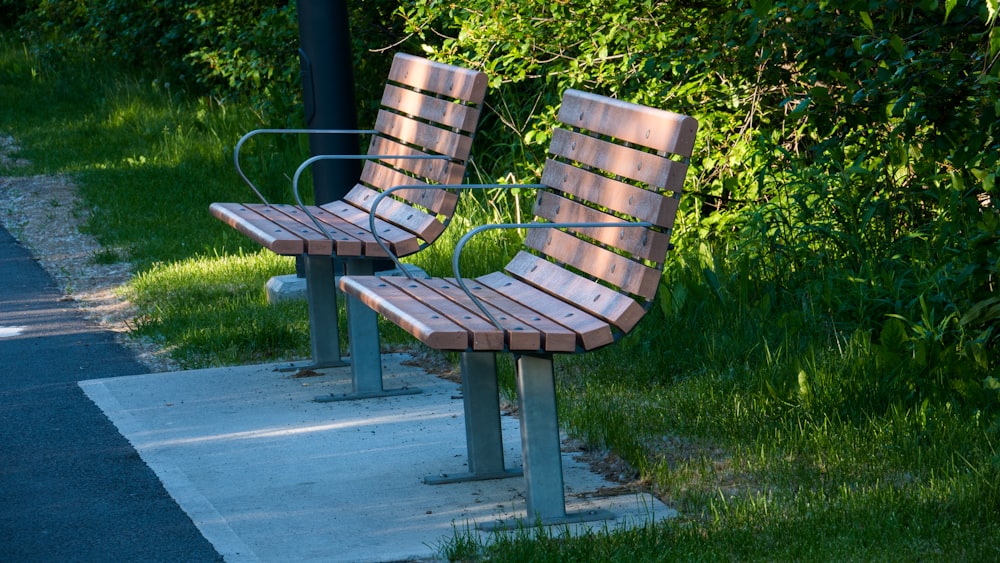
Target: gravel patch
<point>44,213</point>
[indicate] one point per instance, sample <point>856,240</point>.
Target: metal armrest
<point>467,236</point>
<point>246,137</point>
<point>309,161</point>
<point>378,199</point>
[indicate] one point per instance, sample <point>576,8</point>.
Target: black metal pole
<point>328,93</point>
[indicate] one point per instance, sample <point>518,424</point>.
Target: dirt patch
<point>44,213</point>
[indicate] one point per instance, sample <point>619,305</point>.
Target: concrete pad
<point>268,474</point>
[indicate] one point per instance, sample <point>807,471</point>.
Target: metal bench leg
<point>363,341</point>
<point>321,291</point>
<point>483,436</point>
<point>540,446</point>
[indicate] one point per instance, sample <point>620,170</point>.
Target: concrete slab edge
<point>212,525</point>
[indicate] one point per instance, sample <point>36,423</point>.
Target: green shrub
<point>11,11</point>
<point>846,175</point>
<point>222,48</point>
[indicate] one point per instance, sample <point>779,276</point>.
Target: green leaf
<point>762,8</point>
<point>801,107</point>
<point>992,8</point>
<point>713,282</point>
<point>899,108</point>
<point>987,310</point>
<point>803,384</point>
<point>866,20</point>
<point>896,42</point>
<point>949,5</point>
<point>987,178</point>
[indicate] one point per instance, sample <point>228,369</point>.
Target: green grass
<point>770,431</point>
<point>212,310</point>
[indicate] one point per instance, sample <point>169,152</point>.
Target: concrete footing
<point>292,287</point>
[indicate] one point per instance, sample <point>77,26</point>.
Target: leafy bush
<point>236,48</point>
<point>11,11</point>
<point>871,190</point>
<point>848,158</point>
<point>223,48</point>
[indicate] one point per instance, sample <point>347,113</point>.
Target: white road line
<point>11,331</point>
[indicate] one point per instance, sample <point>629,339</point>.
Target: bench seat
<point>422,137</point>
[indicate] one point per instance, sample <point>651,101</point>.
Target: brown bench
<point>422,136</point>
<point>588,272</point>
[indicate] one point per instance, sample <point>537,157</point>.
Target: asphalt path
<point>71,487</point>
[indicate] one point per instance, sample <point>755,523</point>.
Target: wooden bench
<point>588,272</point>
<point>422,136</point>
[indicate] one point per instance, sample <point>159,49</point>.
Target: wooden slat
<point>617,196</point>
<point>425,135</point>
<point>383,177</point>
<point>642,242</point>
<point>440,170</point>
<point>292,219</point>
<point>343,243</point>
<point>601,263</point>
<point>287,230</point>
<point>654,128</point>
<point>326,214</point>
<point>444,298</point>
<point>436,200</point>
<point>554,336</point>
<point>446,80</point>
<point>440,295</point>
<point>591,331</point>
<point>397,213</point>
<point>624,161</point>
<point>440,201</point>
<point>259,228</point>
<point>437,110</point>
<point>423,322</point>
<point>517,334</point>
<point>419,93</point>
<point>600,301</point>
<point>400,242</point>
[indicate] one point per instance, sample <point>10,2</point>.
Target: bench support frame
<point>321,293</point>
<point>362,325</point>
<point>540,446</point>
<point>483,436</point>
<point>540,439</point>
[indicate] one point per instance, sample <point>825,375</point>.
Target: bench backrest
<point>610,161</point>
<point>427,108</point>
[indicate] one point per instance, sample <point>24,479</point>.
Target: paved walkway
<point>71,487</point>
